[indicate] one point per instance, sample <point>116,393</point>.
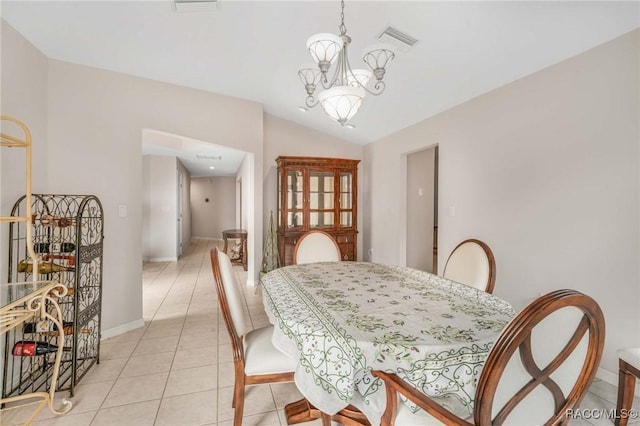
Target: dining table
<point>341,320</point>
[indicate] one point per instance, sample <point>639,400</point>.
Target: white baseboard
<point>607,376</point>
<point>612,378</point>
<point>161,259</point>
<point>116,331</point>
<point>206,238</point>
<point>251,283</point>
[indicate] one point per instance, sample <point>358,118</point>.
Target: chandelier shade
<point>359,77</point>
<point>341,94</point>
<point>324,48</point>
<point>310,77</point>
<point>341,102</point>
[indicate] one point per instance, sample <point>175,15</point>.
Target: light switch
<point>452,211</point>
<point>420,192</point>
<point>122,210</point>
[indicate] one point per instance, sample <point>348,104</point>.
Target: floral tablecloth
<point>343,319</point>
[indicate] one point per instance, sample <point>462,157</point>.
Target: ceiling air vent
<point>398,39</point>
<point>208,157</point>
<point>196,5</point>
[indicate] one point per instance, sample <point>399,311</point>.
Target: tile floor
<point>177,370</point>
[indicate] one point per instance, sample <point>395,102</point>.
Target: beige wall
<point>209,219</point>
<point>420,204</point>
<point>546,171</point>
<point>162,209</point>
<point>23,77</point>
<point>283,137</point>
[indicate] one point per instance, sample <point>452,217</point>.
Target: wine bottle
<point>32,348</point>
<point>67,247</point>
<point>67,331</point>
<point>43,267</point>
<point>32,327</point>
<point>41,247</point>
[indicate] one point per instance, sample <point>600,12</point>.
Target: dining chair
<point>316,246</point>
<point>629,370</point>
<point>539,369</point>
<point>472,263</point>
<point>255,359</point>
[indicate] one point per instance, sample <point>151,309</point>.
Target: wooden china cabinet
<point>317,193</point>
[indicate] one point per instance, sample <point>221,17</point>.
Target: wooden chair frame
<point>517,337</point>
<point>490,257</point>
<point>237,345</point>
<point>305,235</point>
<point>626,388</point>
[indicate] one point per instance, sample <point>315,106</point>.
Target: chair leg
<point>326,419</point>
<point>238,401</point>
<point>626,388</point>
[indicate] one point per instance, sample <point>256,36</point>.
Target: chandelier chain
<point>343,28</point>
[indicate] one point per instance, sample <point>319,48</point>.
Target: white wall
<point>209,219</point>
<point>283,137</point>
<point>185,222</point>
<point>162,209</point>
<point>23,77</point>
<point>546,171</point>
<point>420,205</point>
<point>246,174</point>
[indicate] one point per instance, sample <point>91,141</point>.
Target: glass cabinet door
<point>295,198</point>
<point>321,199</point>
<point>346,200</point>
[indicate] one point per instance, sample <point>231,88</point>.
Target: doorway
<point>422,209</point>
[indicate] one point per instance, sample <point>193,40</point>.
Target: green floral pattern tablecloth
<point>343,319</point>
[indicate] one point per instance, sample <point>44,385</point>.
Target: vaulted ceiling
<point>253,49</point>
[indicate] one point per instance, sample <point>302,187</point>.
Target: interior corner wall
<point>23,77</point>
<point>163,210</point>
<point>420,205</point>
<point>185,220</point>
<point>211,217</point>
<point>283,137</point>
<point>546,171</point>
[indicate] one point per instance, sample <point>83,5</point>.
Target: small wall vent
<point>397,38</point>
<point>208,157</point>
<point>196,5</point>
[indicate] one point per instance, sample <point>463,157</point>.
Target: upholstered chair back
<point>229,295</point>
<point>472,263</point>
<point>316,246</point>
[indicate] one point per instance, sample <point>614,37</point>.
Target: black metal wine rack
<point>68,233</point>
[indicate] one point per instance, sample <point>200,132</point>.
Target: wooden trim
<point>491,280</point>
<point>317,161</point>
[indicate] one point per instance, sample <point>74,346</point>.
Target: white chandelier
<point>343,93</point>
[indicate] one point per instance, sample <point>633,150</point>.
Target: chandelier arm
<point>378,88</point>
<point>311,101</point>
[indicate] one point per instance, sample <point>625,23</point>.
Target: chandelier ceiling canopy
<point>341,94</point>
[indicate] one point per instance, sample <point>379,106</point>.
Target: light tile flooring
<point>177,370</point>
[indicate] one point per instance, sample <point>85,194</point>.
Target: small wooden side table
<point>240,234</point>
